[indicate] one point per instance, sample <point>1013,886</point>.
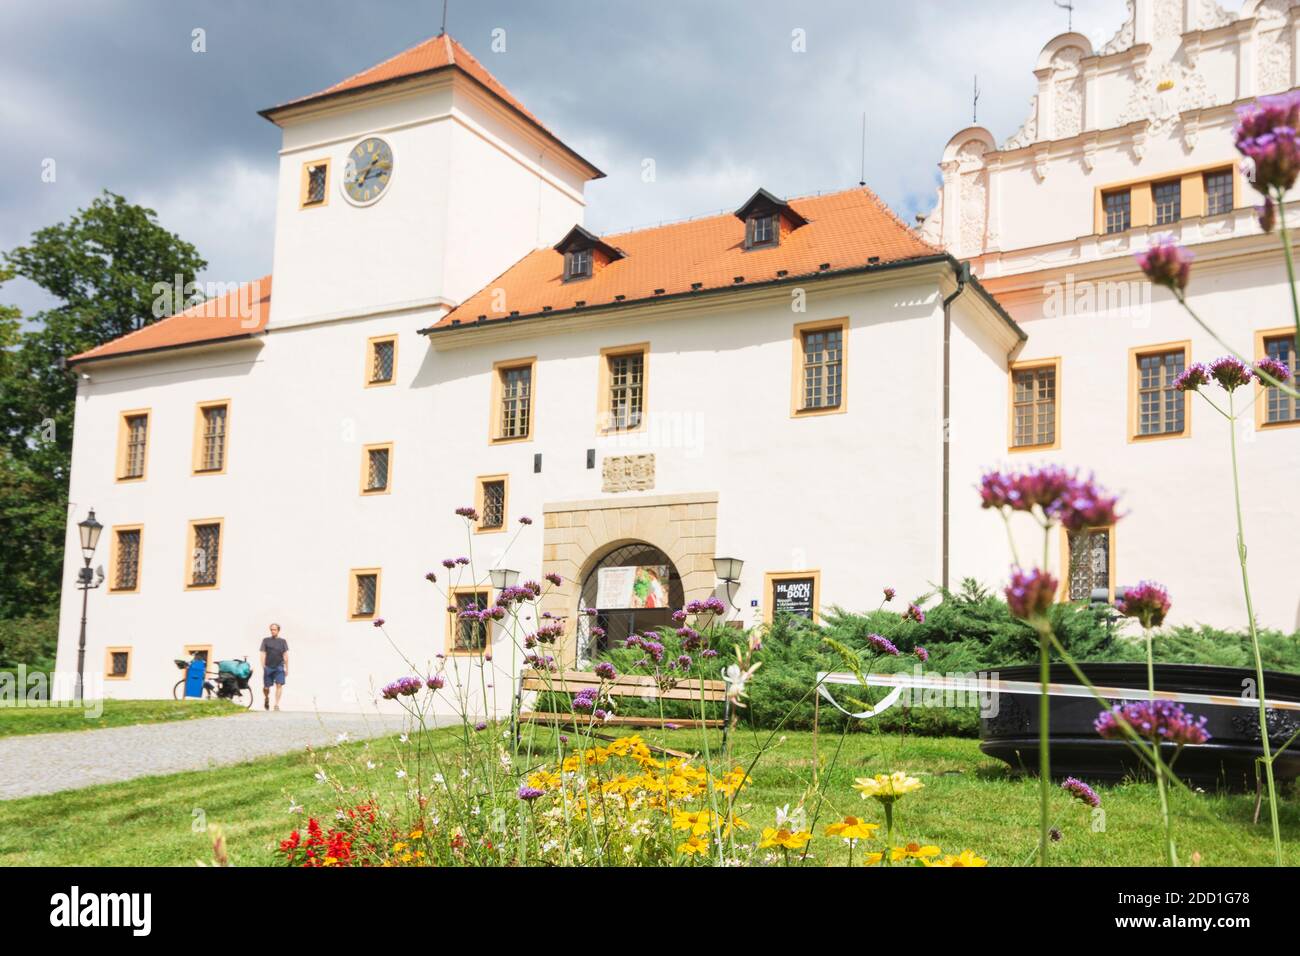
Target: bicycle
<point>226,686</point>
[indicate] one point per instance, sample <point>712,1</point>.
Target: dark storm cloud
<point>714,92</point>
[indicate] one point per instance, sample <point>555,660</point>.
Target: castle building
<point>807,385</point>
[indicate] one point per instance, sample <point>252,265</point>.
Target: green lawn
<point>969,801</point>
<point>44,717</point>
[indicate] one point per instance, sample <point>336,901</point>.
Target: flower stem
<point>1290,266</point>
<point>1254,640</point>
<point>1171,854</point>
<point>1044,757</point>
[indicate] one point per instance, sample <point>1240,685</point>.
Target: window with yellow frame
<point>1035,405</point>
<point>1156,409</point>
<point>133,445</point>
<point>467,634</point>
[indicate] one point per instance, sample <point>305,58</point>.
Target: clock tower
<point>410,186</point>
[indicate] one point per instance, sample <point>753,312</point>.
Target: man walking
<point>275,666</point>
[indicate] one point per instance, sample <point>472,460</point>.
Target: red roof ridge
<point>429,56</point>
<point>165,334</point>
<point>847,230</point>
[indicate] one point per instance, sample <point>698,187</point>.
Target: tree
<point>101,265</point>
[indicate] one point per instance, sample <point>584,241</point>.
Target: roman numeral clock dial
<point>368,171</point>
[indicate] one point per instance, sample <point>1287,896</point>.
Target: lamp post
<point>728,571</point>
<point>90,530</point>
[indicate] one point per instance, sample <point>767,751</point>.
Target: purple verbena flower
<point>605,671</point>
<point>1273,368</point>
<point>882,644</point>
<point>1148,603</point>
<point>528,794</point>
<point>1077,788</point>
<point>922,653</point>
<point>1030,593</point>
<point>1265,136</point>
<point>525,520</point>
<point>889,594</point>
<point>1167,263</point>
<point>1162,721</point>
<point>1230,372</point>
<point>1193,378</point>
<point>467,512</point>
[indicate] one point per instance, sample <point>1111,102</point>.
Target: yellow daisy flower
<point>852,828</point>
<point>789,839</point>
<point>913,851</point>
<point>873,859</point>
<point>965,858</point>
<point>696,845</point>
<point>887,787</point>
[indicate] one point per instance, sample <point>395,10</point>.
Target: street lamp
<point>728,571</point>
<point>90,530</point>
<point>503,578</point>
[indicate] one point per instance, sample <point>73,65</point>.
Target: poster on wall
<point>794,596</point>
<point>620,589</point>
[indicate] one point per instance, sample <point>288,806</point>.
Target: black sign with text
<point>794,596</point>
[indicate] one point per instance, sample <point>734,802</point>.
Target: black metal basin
<point>1227,761</point>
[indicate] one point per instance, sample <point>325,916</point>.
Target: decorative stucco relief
<point>1162,91</point>
<point>1028,132</point>
<point>1273,51</point>
<point>1210,15</point>
<point>628,473</point>
<point>974,197</point>
<point>1122,40</point>
<point>1067,92</point>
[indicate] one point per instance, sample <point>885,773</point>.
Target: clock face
<point>368,171</point>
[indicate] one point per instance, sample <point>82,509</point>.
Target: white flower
<point>370,765</point>
<point>341,738</point>
<point>320,776</point>
<point>405,738</point>
<point>401,775</point>
<point>476,811</point>
<point>294,807</point>
<point>438,778</point>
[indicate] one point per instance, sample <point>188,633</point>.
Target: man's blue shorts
<point>272,675</point>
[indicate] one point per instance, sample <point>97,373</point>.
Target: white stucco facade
<point>855,498</point>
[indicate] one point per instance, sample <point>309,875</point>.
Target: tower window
<point>381,364</point>
<point>315,183</point>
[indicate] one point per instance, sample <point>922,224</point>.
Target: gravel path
<point>47,763</point>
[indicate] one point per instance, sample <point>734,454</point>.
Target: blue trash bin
<point>195,675</point>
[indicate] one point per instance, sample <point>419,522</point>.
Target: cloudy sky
<point>710,89</point>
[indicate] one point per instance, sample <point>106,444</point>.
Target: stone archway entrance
<point>646,589</point>
<point>578,535</point>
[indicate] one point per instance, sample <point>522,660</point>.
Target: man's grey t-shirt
<point>275,648</point>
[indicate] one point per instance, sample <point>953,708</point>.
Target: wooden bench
<point>639,686</point>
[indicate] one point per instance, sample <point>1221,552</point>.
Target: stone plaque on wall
<point>628,473</point>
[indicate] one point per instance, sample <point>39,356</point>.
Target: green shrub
<point>30,641</point>
<point>970,630</point>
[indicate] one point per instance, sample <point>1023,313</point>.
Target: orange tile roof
<point>239,314</point>
<point>847,230</point>
<point>436,53</point>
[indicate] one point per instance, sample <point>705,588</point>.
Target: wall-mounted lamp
<point>728,571</point>
<point>503,578</point>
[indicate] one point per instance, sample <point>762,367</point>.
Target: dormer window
<point>585,254</point>
<point>763,230</point>
<point>765,218</point>
<point>577,264</point>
